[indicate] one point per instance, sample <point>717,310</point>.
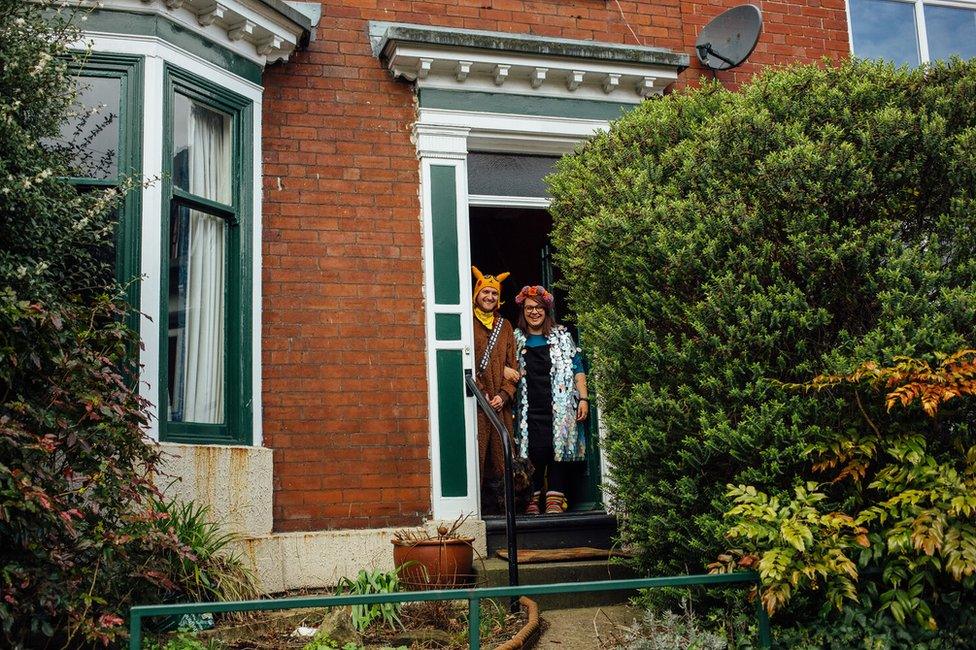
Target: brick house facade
<point>344,339</point>
<point>352,132</point>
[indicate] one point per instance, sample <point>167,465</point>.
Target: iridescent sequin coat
<point>568,436</point>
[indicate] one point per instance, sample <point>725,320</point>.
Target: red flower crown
<point>536,292</point>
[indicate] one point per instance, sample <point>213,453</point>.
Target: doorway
<point>516,239</point>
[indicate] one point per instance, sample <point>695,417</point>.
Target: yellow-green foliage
<point>802,546</point>
<point>909,477</point>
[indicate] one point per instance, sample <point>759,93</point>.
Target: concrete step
<point>544,573</point>
<point>572,529</point>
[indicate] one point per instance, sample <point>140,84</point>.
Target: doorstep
<point>571,529</point>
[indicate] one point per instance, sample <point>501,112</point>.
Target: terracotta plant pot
<point>434,563</point>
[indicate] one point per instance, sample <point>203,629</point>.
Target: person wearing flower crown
<point>552,400</point>
<point>494,347</point>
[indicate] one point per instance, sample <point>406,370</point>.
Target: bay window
<point>168,108</point>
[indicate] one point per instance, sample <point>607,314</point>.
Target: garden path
<point>586,628</point>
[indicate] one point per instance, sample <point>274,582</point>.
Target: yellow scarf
<point>487,318</point>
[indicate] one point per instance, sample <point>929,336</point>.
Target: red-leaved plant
<point>82,532</point>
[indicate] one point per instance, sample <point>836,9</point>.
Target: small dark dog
<point>493,494</point>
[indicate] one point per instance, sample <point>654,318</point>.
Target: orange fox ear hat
<point>492,281</point>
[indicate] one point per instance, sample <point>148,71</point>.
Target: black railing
<point>502,430</point>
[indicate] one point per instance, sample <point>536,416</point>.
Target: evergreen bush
<point>717,243</point>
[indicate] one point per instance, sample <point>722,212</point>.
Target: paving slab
<point>495,574</point>
<point>586,628</point>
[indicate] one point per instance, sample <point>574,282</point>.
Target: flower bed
<point>427,625</point>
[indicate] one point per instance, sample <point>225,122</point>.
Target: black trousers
<point>546,466</point>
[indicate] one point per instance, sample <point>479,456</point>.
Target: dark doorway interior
<point>517,240</point>
<point>513,240</point>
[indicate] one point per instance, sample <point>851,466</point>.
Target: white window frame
<point>920,28</point>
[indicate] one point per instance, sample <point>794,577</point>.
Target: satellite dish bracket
<point>705,50</point>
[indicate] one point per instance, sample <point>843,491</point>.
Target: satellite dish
<point>730,37</point>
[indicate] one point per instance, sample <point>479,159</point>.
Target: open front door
<point>516,240</point>
<point>490,210</point>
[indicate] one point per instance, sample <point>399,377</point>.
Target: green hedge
<point>714,241</point>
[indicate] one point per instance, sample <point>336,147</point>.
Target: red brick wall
<point>802,31</point>
<point>345,391</point>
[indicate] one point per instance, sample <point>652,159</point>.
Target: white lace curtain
<point>203,336</point>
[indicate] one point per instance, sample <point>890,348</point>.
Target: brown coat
<point>492,381</point>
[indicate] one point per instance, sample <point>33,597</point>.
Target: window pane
<point>90,135</point>
<point>201,150</point>
<point>106,250</point>
<point>196,317</point>
<point>950,31</point>
<point>883,29</point>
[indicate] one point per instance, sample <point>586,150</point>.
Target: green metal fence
<point>473,596</point>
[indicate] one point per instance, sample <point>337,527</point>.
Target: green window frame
<point>236,425</point>
<point>128,233</point>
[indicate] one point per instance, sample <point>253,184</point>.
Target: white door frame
<point>444,137</point>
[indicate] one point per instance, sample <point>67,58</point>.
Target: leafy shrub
<point>73,463</point>
<point>803,547</point>
<point>907,475</point>
<point>714,241</point>
<point>858,627</point>
<point>80,539</point>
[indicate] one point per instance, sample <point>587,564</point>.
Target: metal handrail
<point>502,430</point>
<point>473,596</point>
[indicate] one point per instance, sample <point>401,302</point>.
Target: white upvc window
<point>912,31</point>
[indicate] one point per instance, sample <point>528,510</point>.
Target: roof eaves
<point>306,19</point>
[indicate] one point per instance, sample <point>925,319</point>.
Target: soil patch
<point>428,625</point>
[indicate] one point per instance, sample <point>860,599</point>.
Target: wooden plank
<point>534,556</point>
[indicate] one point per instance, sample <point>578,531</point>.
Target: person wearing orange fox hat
<point>494,347</point>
